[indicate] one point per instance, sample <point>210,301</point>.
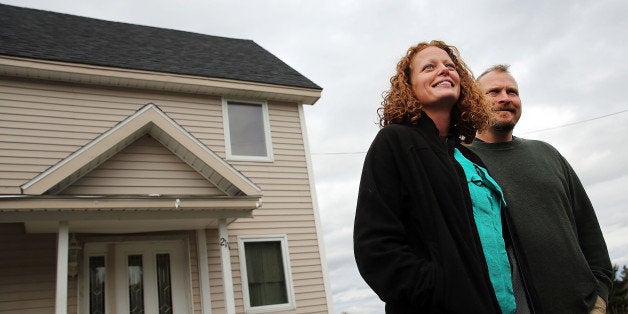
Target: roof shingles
<point>38,34</point>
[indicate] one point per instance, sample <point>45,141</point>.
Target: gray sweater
<point>563,247</point>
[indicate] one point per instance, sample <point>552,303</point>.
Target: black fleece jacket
<point>415,240</point>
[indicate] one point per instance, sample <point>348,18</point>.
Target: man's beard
<point>503,126</point>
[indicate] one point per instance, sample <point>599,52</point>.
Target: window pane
<point>97,285</point>
<point>246,129</point>
<point>164,289</point>
<point>265,273</point>
<point>136,285</point>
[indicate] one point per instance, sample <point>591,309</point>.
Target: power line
<point>577,122</point>
<point>340,153</point>
<point>530,132</point>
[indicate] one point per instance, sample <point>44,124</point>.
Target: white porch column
<point>203,269</point>
<point>61,298</point>
<point>225,257</point>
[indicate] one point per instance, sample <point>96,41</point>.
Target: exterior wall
<point>40,124</point>
<point>215,272</point>
<point>142,168</point>
<point>194,273</point>
<point>287,209</point>
<point>27,271</point>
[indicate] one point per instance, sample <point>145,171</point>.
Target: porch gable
<point>154,122</point>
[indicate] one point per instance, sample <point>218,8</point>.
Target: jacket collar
<point>427,125</point>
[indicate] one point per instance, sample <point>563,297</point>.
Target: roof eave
<point>160,81</point>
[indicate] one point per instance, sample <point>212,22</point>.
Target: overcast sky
<point>569,58</point>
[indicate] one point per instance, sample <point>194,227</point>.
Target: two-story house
<point>150,170</point>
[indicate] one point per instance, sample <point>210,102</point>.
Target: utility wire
<point>577,122</point>
<point>339,153</point>
<point>530,132</point>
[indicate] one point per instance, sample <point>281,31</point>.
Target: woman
<point>418,236</point>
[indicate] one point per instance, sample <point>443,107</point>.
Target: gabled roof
<point>37,34</point>
<point>147,120</point>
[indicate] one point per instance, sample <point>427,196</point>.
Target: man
<point>560,248</point>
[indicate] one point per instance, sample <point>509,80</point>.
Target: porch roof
<point>41,206</point>
<point>122,214</point>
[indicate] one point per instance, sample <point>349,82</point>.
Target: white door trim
<point>179,265</point>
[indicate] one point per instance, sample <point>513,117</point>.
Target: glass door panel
<point>149,277</point>
<point>136,284</point>
<point>97,284</point>
<point>164,286</point>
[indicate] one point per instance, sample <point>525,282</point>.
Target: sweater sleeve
<point>590,235</point>
<point>386,261</point>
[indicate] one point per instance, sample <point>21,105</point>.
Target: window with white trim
<point>265,268</point>
<point>247,130</point>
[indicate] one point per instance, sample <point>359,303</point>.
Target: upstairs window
<point>247,131</point>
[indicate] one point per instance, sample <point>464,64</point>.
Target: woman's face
<point>435,81</point>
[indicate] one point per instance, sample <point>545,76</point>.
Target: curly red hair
<point>400,105</point>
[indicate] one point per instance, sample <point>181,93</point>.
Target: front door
<point>136,277</point>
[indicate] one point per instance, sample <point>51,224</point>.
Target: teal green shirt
<point>488,200</point>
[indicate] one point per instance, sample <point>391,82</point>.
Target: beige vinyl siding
<point>143,168</point>
<point>194,273</point>
<point>287,209</point>
<point>27,270</point>
<point>40,124</point>
<point>215,271</point>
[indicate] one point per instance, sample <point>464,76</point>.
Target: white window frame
<point>283,239</point>
<point>267,136</point>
